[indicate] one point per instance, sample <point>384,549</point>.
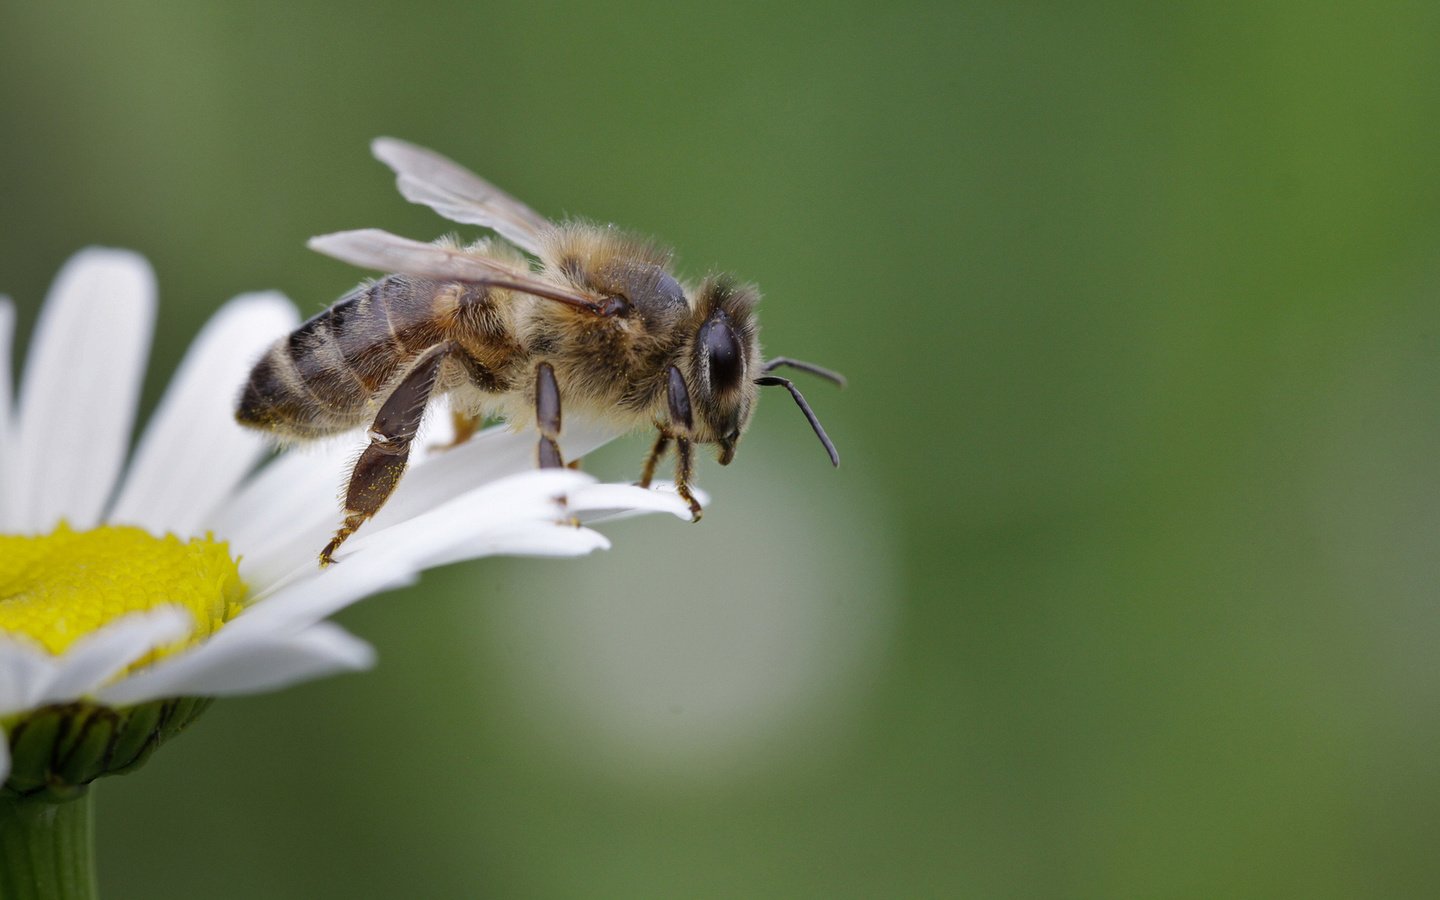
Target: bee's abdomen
<point>321,379</point>
<point>273,400</point>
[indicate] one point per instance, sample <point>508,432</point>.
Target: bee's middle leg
<point>657,453</point>
<point>683,423</point>
<point>380,466</point>
<point>547,416</point>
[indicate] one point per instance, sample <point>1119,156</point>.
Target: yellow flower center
<point>59,587</point>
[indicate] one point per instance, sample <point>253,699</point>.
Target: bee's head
<point>713,384</point>
<point>724,363</point>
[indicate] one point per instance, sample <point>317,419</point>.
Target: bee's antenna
<point>813,369</point>
<point>772,380</point>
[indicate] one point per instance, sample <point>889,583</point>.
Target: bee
<point>507,328</point>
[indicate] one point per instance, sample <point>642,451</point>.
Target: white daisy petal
<point>94,659</point>
<point>464,528</point>
<point>598,513</point>
<point>284,515</point>
<point>7,331</point>
<point>312,593</point>
<point>193,453</point>
<point>517,500</point>
<point>26,671</point>
<point>490,455</point>
<point>387,557</point>
<point>534,539</point>
<point>523,515</point>
<point>408,548</point>
<point>286,512</point>
<point>259,661</point>
<point>78,394</point>
<point>602,499</point>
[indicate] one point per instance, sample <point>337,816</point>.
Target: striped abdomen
<point>323,378</point>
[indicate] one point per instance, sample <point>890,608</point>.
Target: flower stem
<point>47,848</point>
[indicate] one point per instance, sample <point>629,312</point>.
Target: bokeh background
<point>1126,587</point>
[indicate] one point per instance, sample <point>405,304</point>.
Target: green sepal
<point>83,746</point>
<point>57,750</point>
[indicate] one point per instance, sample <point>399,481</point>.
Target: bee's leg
<point>683,471</point>
<point>683,423</point>
<point>547,416</point>
<point>380,466</point>
<point>657,453</point>
<point>466,424</point>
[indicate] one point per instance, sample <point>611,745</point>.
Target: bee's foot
<point>352,522</point>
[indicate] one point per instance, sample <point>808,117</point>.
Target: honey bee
<point>596,317</point>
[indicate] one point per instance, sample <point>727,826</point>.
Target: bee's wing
<point>372,248</point>
<point>424,176</point>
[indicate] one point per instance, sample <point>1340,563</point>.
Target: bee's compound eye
<point>721,349</point>
<point>668,290</point>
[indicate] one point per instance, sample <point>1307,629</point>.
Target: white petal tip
<point>110,256</point>
<point>114,272</point>
<point>264,299</point>
<point>383,146</point>
<point>357,656</point>
<point>587,541</point>
<point>625,498</point>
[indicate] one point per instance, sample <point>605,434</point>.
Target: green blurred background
<point>1126,586</point>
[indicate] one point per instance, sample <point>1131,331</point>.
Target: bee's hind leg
<point>380,466</point>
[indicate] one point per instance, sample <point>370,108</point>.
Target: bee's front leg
<point>547,416</point>
<point>380,466</point>
<point>682,421</point>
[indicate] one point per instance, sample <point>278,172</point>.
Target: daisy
<point>128,601</point>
